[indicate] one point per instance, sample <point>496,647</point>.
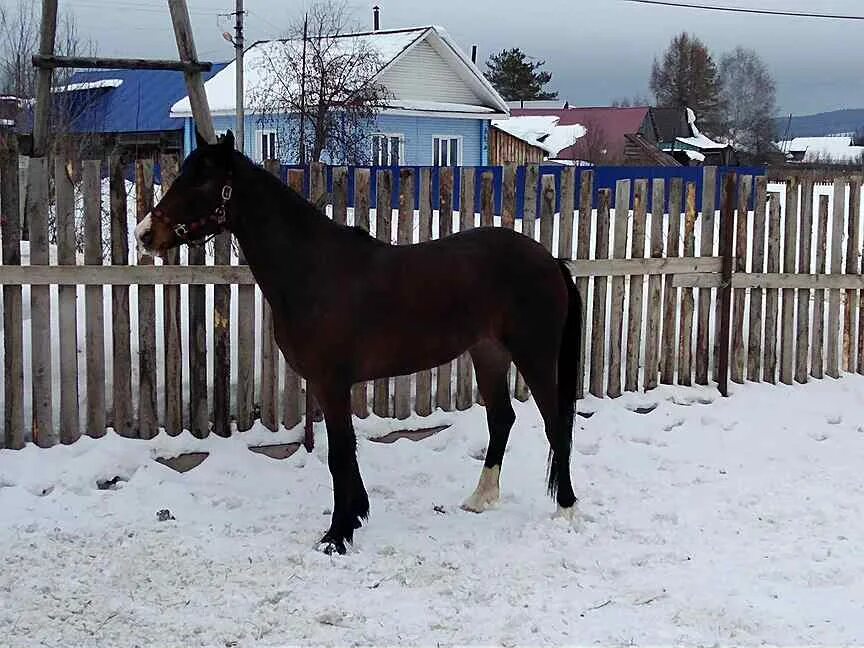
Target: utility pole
<point>238,62</point>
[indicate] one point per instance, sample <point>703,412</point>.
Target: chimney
<point>474,54</point>
<point>376,21</point>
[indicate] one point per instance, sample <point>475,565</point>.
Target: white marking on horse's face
<point>486,495</point>
<point>141,231</point>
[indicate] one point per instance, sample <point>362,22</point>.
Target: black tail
<point>568,377</point>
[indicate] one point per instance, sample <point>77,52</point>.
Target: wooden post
<point>13,338</point>
<point>727,240</point>
<point>291,391</point>
<point>547,211</point>
<point>508,196</point>
<point>598,320</point>
<point>359,401</point>
<point>655,284</point>
<point>383,232</point>
<point>405,227</point>
<point>173,420</point>
<point>706,249</point>
<point>668,352</point>
<point>616,314</point>
<point>817,359</point>
<point>446,226</point>
<point>754,339</point>
<point>269,353</point>
<point>769,366</point>
<point>685,348</point>
<point>42,111</point>
<point>583,248</point>
<point>464,368</point>
<point>745,186</point>
<point>423,397</point>
<point>148,424</point>
<point>853,237</point>
<point>637,287</point>
<point>832,343</point>
<point>804,246</point>
<point>340,195</point>
<point>565,227</point>
<point>529,201</point>
<point>194,82</point>
<point>487,195</point>
<point>790,245</point>
<point>222,341</point>
<point>121,377</point>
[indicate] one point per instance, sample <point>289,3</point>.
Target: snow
<point>697,139</point>
<point>257,73</point>
<point>541,131</point>
<point>694,155</point>
<point>437,106</point>
<point>835,148</point>
<point>706,521</point>
<point>89,85</point>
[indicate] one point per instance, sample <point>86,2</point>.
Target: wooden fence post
<point>583,248</point>
<point>754,338</point>
<point>13,335</point>
<point>817,359</point>
<point>685,343</point>
<point>269,353</point>
<point>464,368</point>
<point>832,346</point>
<point>172,326</point>
<point>405,227</point>
<point>637,287</point>
<point>655,284</point>
<point>446,226</point>
<point>745,185</point>
<point>670,292</point>
<point>359,400</point>
<point>598,319</point>
<point>790,246</point>
<point>769,366</point>
<point>383,232</point>
<point>706,249</point>
<point>727,252</point>
<point>804,247</point>
<point>423,397</point>
<point>148,424</point>
<point>121,377</point>
<point>291,390</point>
<point>616,314</point>
<point>853,237</point>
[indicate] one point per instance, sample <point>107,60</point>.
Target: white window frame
<point>389,136</point>
<point>459,148</point>
<point>259,152</point>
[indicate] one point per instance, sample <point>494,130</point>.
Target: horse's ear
<point>199,140</point>
<point>228,140</point>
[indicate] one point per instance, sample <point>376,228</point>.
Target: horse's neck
<point>279,236</point>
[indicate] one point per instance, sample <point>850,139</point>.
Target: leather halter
<point>186,232</point>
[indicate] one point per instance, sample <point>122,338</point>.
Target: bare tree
<point>594,147</point>
<point>637,101</point>
<point>749,101</point>
<point>326,82</point>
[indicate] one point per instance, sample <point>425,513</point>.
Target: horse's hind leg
<point>491,362</point>
<point>350,502</point>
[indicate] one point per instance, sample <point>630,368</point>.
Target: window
<point>265,143</point>
<point>446,151</point>
<point>387,149</point>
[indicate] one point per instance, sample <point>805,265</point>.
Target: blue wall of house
<point>418,132</point>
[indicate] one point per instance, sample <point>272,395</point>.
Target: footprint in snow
<point>818,436</point>
<point>674,424</point>
<point>835,420</point>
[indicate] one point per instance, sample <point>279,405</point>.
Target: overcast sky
<point>596,50</point>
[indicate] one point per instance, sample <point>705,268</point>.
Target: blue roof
<point>140,103</point>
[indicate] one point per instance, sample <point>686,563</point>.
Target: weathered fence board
<point>547,211</point>
<point>269,390</point>
<point>121,401</point>
<point>383,217</point>
<point>464,368</point>
<point>704,348</point>
<point>598,319</point>
<point>362,177</point>
<point>487,195</point>
<point>13,334</point>
<point>832,341</point>
<point>769,366</point>
<point>655,288</point>
<point>423,383</point>
<point>634,315</point>
<point>685,344</point>
<point>583,247</point>
<point>172,327</point>
<point>64,195</point>
<point>148,424</point>
<point>817,361</point>
<point>742,221</point>
<point>805,240</point>
<point>446,226</point>
<point>754,336</point>
<point>853,237</point>
<point>670,292</point>
<point>340,195</point>
<point>222,342</point>
<point>790,246</point>
<point>616,314</point>
<point>565,226</point>
<point>402,386</point>
<point>291,391</point>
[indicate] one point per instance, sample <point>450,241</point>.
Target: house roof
<point>390,46</point>
<point>835,148</point>
<point>613,123</point>
<point>124,101</point>
<point>544,132</point>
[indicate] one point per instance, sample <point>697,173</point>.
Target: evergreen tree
<point>516,77</point>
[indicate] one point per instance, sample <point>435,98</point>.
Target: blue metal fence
<point>604,177</point>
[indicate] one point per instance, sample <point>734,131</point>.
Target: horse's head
<point>196,205</point>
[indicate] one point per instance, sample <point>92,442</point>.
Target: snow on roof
<point>388,45</point>
<point>542,131</point>
<point>89,85</point>
<point>437,106</point>
<point>698,140</point>
<point>694,155</point>
<point>837,148</point>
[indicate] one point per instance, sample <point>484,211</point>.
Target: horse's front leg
<point>350,502</point>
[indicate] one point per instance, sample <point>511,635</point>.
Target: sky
<point>596,50</point>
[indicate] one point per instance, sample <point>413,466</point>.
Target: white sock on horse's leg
<point>485,496</point>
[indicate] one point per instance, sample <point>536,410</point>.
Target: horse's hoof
<point>479,502</point>
<point>570,515</point>
<point>329,547</point>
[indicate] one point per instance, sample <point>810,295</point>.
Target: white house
<point>438,112</point>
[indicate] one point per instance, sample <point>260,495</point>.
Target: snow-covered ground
<point>706,521</point>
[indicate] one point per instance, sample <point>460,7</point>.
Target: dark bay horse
<point>349,308</point>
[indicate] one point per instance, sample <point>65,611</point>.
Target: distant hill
<point>826,123</point>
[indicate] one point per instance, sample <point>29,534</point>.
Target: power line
<point>762,12</point>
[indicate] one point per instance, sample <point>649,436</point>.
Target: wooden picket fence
<point>678,293</point>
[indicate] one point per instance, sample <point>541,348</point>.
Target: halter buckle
<point>226,193</point>
<point>181,231</point>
